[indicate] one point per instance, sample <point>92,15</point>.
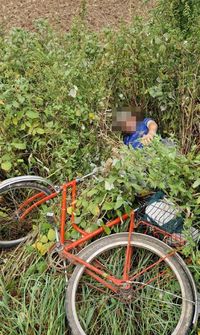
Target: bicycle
<point>128,274</point>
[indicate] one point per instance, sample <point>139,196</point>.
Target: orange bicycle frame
<point>98,274</point>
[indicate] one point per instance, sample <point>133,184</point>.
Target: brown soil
<point>60,13</point>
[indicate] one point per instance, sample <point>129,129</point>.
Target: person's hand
<point>146,139</point>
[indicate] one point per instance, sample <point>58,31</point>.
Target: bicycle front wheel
<point>14,201</point>
<point>159,301</point>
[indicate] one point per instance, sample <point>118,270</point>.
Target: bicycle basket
<point>162,212</point>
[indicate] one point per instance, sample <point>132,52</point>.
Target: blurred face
<point>129,125</point>
<point>124,121</point>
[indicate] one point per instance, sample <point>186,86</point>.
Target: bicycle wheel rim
<point>187,306</point>
<point>13,230</point>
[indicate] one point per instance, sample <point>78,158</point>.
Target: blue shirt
<point>134,138</point>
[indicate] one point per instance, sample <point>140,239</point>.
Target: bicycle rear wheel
<point>13,203</point>
<point>165,305</point>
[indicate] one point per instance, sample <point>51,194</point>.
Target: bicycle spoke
<point>146,298</point>
<point>14,200</point>
<point>151,266</point>
<point>160,290</point>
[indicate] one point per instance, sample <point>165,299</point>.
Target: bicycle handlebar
<point>94,171</point>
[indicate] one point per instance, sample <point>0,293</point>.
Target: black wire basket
<point>162,213</point>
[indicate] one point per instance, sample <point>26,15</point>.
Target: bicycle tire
<point>138,241</point>
<point>11,196</point>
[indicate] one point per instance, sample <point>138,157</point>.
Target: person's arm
<point>152,126</point>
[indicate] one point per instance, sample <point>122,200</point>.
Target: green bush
<point>56,90</point>
<point>130,173</point>
<point>49,95</point>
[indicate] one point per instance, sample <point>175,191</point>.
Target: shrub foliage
<point>56,89</point>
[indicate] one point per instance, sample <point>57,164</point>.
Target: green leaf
<point>32,114</point>
<point>119,203</point>
<point>127,208</point>
<point>6,166</point>
<point>44,239</point>
<point>49,124</point>
<point>45,226</point>
<point>83,224</point>
<point>6,157</point>
<point>41,266</point>
<point>39,131</point>
<point>94,209</point>
<point>31,270</point>
<point>157,40</point>
<point>106,229</point>
<point>21,99</point>
<point>196,183</point>
<point>74,234</point>
<point>119,213</point>
<point>92,192</point>
<point>51,235</point>
<point>109,185</point>
<point>3,215</point>
<point>77,219</point>
<point>15,104</point>
<point>19,145</point>
<point>15,121</point>
<point>69,210</point>
<point>155,91</point>
<point>108,206</point>
<point>78,113</point>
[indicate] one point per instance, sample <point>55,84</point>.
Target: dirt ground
<point>60,13</point>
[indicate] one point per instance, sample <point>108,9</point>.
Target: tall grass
<point>33,300</point>
<point>33,296</point>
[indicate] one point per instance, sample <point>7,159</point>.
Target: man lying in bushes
<point>137,130</point>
